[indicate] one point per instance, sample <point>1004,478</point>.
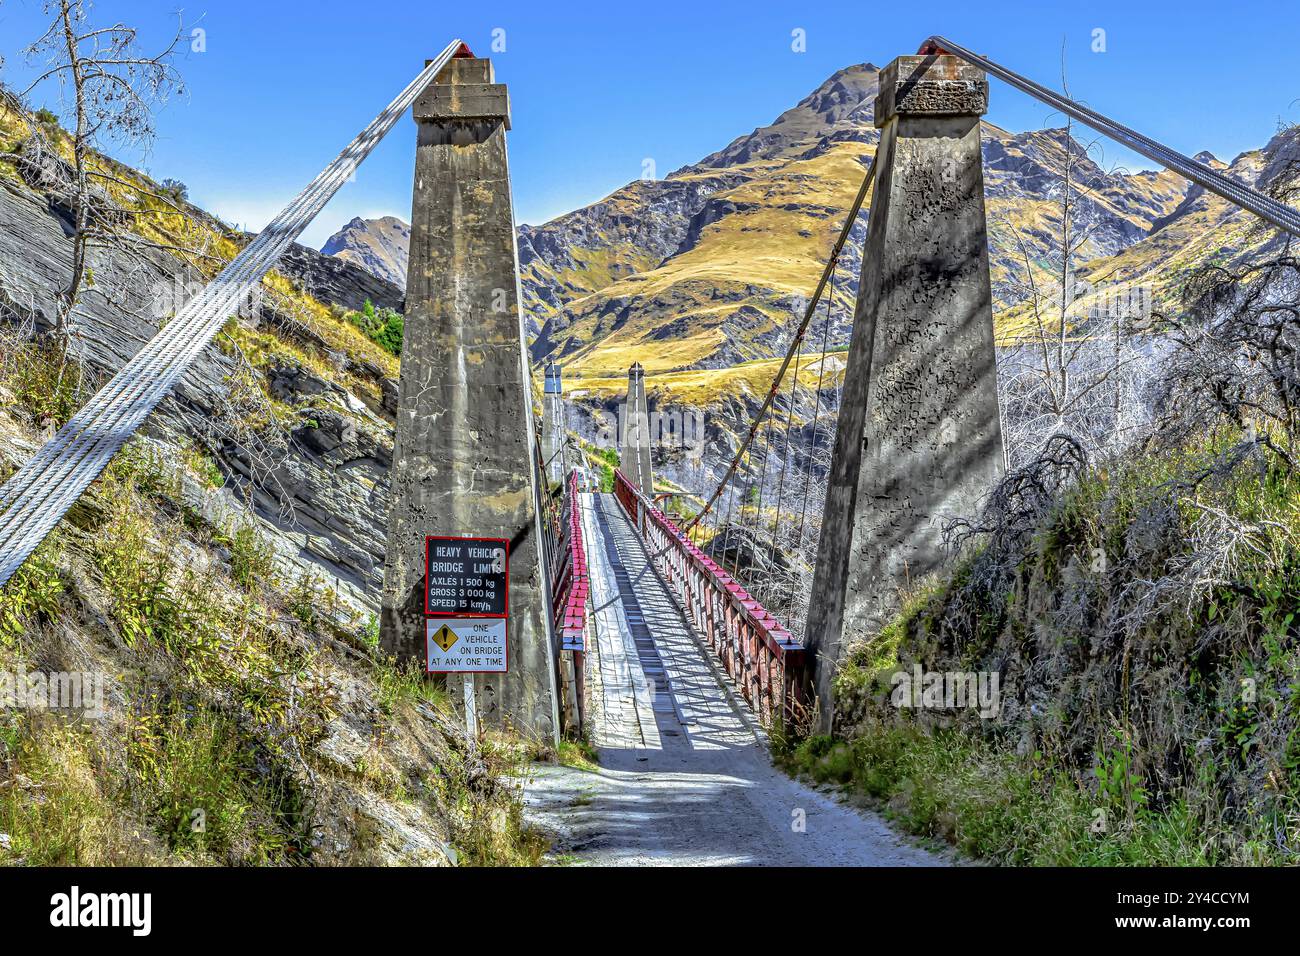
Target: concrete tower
<point>634,432</point>
<point>553,424</point>
<point>462,460</point>
<point>919,437</point>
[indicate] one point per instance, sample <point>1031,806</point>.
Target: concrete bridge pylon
<point>919,438</point>
<point>463,460</point>
<point>634,433</point>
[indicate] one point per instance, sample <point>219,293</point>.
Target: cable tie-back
<point>41,492</point>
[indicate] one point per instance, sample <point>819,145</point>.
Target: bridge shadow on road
<point>684,776</point>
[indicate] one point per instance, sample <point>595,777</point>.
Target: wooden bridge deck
<point>684,775</point>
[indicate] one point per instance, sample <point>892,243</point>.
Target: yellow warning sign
<point>466,645</point>
<point>444,637</point>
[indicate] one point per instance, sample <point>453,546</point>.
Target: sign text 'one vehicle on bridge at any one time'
<point>467,598</point>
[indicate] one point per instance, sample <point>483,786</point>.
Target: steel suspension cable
<point>796,342</point>
<point>224,290</point>
<point>762,487</point>
<point>738,535</point>
<point>730,530</point>
<point>1279,214</point>
<point>812,451</point>
<point>190,318</point>
<point>821,372</point>
<point>41,492</point>
<point>785,456</point>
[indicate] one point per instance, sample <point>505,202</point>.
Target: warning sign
<point>467,577</point>
<point>445,637</point>
<point>466,646</point>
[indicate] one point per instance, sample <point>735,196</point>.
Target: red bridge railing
<point>759,654</point>
<point>571,584</point>
<point>570,590</point>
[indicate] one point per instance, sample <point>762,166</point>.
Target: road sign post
<point>466,601</point>
<point>471,714</point>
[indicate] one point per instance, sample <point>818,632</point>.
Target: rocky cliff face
<point>338,281</point>
<point>220,579</point>
<point>380,246</point>
<point>317,477</point>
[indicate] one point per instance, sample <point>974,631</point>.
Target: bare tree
<point>1236,357</point>
<point>109,89</point>
<point>1076,372</point>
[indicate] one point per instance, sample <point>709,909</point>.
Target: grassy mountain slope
<point>742,235</point>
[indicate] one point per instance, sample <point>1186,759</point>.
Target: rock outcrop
<point>338,280</point>
<point>380,246</point>
<point>317,483</point>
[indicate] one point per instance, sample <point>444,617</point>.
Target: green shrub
<point>382,326</point>
<point>204,467</point>
<point>136,579</point>
<point>306,602</point>
<point>175,190</point>
<point>44,383</point>
<point>55,806</point>
<point>400,682</point>
<point>252,563</point>
<point>32,594</point>
<point>370,633</point>
<point>202,782</point>
<point>142,468</point>
<point>1142,733</point>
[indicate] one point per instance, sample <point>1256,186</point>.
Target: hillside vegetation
<point>248,716</point>
<point>1142,613</point>
<point>214,583</point>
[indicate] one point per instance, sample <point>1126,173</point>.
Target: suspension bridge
<point>571,611</point>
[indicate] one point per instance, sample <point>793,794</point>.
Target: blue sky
<point>597,89</point>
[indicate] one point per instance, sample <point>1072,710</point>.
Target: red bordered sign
<point>466,577</point>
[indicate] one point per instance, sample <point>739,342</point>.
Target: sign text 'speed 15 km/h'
<point>466,577</point>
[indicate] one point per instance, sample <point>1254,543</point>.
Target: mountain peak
<point>839,108</point>
<point>380,246</point>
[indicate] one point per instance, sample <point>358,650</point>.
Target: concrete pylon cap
<point>552,378</point>
<point>930,86</point>
<point>465,91</point>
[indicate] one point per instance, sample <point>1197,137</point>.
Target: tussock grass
<point>56,804</point>
<point>991,804</point>
<point>228,671</point>
<point>211,792</point>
